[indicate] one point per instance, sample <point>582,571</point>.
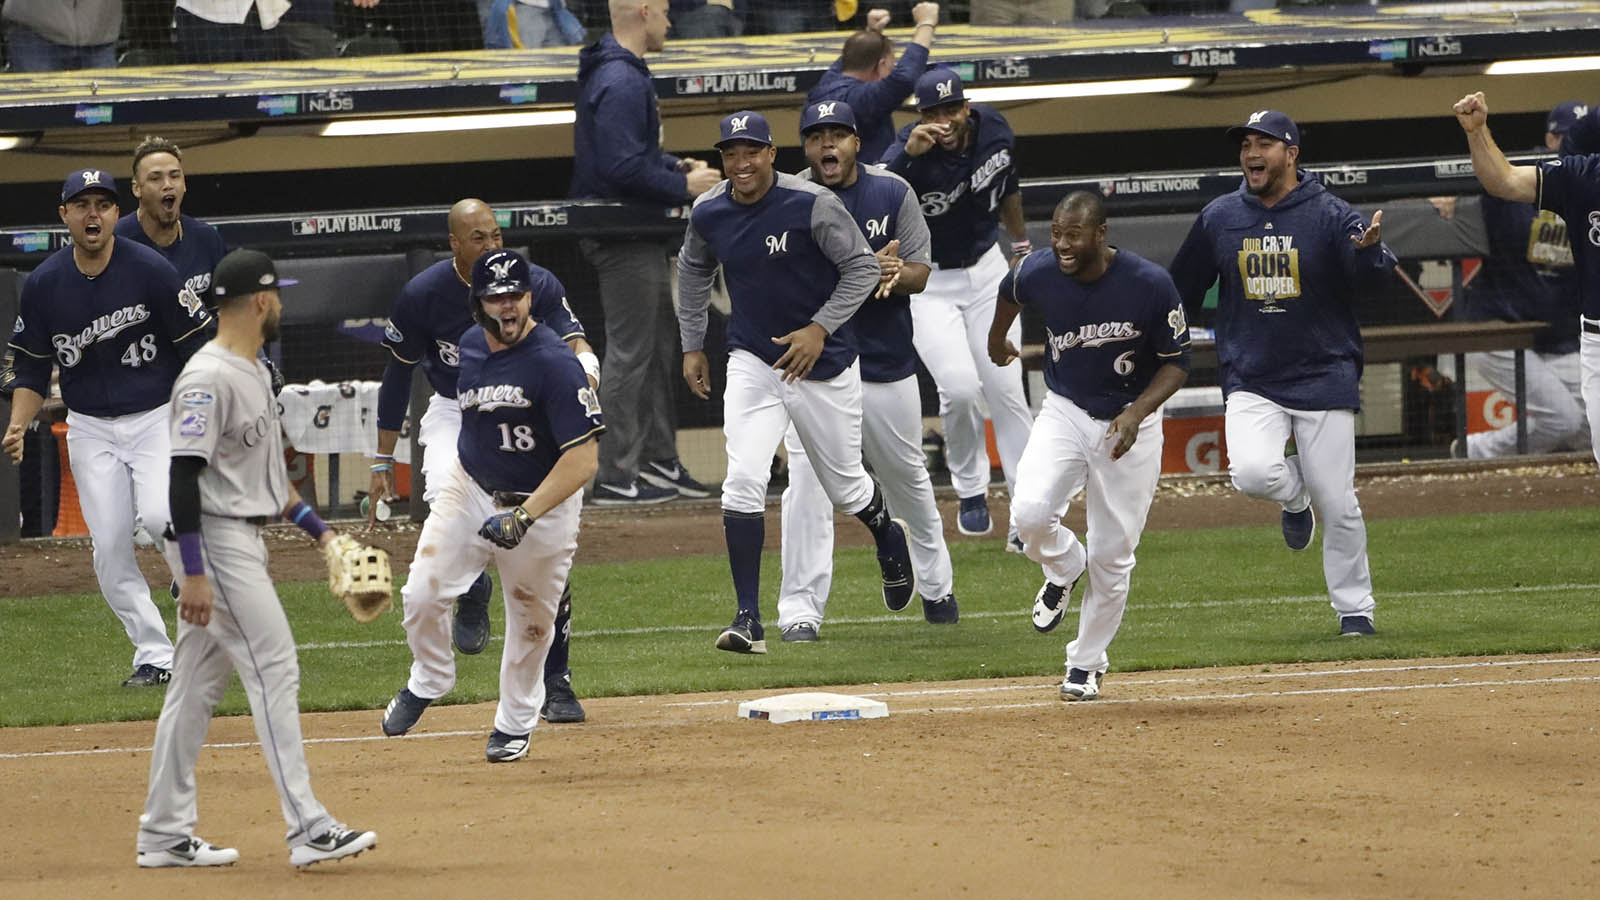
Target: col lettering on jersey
<point>1269,269</point>
<point>521,408</point>
<point>223,412</point>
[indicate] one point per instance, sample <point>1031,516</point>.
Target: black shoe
<point>894,565</point>
<point>471,624</point>
<point>1298,528</point>
<point>148,676</point>
<point>669,473</point>
<point>403,712</point>
<point>745,635</point>
<point>560,703</point>
<point>803,633</point>
<point>1355,626</point>
<point>942,611</point>
<point>504,747</point>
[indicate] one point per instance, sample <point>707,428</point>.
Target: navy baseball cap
<point>937,87</point>
<point>1583,137</point>
<point>243,272</point>
<point>85,180</point>
<point>1562,117</point>
<point>745,125</point>
<point>828,112</point>
<point>1269,122</point>
<point>501,272</point>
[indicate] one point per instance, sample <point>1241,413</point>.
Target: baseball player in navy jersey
<point>116,320</point>
<point>228,479</point>
<point>1568,186</point>
<point>961,161</point>
<point>797,267</point>
<point>529,423</point>
<point>867,77</point>
<point>193,247</point>
<point>425,327</point>
<point>1116,347</point>
<point>886,210</point>
<point>1290,256</point>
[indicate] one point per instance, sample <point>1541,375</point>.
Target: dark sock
<point>875,515</point>
<point>555,665</point>
<point>745,532</point>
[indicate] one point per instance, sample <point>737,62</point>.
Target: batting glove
<point>506,529</point>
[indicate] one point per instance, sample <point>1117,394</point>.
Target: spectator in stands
<point>528,24</point>
<point>617,155</point>
<point>1032,12</point>
<point>221,31</point>
<point>307,29</point>
<point>707,18</point>
<point>1528,276</point>
<point>867,78</point>
<point>792,16</point>
<point>52,36</point>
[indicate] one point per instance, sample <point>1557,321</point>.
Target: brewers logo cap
<point>1269,122</point>
<point>937,87</point>
<point>501,272</point>
<point>243,272</point>
<point>828,112</point>
<point>745,125</point>
<point>1562,117</point>
<point>85,180</point>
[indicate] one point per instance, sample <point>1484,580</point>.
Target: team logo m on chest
<point>777,243</point>
<point>879,227</point>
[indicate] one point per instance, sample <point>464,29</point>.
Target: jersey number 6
<point>141,353</point>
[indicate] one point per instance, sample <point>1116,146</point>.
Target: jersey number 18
<point>516,439</point>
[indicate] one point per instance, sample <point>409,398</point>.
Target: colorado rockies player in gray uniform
<point>227,481</point>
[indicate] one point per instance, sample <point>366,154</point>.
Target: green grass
<point>1482,584</point>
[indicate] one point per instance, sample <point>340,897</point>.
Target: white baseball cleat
<point>1081,684</point>
<point>188,852</point>
<point>335,843</point>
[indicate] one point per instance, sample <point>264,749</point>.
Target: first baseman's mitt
<point>360,577</point>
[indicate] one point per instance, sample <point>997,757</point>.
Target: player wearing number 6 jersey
<point>529,420</point>
<point>114,317</point>
<point>1116,347</point>
<point>1290,257</point>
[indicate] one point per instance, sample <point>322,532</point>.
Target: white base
<point>812,707</point>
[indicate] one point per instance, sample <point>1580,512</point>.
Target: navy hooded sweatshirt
<point>617,151</point>
<point>1285,326</point>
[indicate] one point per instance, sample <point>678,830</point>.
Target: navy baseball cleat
<point>942,611</point>
<point>1014,544</point>
<point>504,747</point>
<point>148,676</point>
<point>335,843</point>
<point>745,635</point>
<point>561,702</point>
<point>973,517</point>
<point>470,627</point>
<point>1081,684</point>
<point>636,493</point>
<point>895,567</point>
<point>1298,528</point>
<point>403,712</point>
<point>1355,626</point>
<point>802,633</point>
<point>670,474</point>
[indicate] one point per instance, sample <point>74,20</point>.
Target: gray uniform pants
<point>248,633</point>
<point>642,361</point>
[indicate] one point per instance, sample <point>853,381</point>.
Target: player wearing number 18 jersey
<point>114,318</point>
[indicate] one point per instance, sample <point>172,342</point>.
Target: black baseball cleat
<point>403,712</point>
<point>560,702</point>
<point>745,635</point>
<point>470,627</point>
<point>148,676</point>
<point>1299,528</point>
<point>1355,626</point>
<point>504,747</point>
<point>894,564</point>
<point>942,611</point>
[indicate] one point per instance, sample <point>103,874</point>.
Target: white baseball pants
<point>1068,452</point>
<point>121,467</point>
<point>1589,357</point>
<point>891,441</point>
<point>450,554</point>
<point>1554,410</point>
<point>1323,472</point>
<point>437,433</point>
<point>758,408</point>
<point>951,319</point>
<point>248,634</point>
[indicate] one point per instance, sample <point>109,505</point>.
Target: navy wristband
<point>189,549</point>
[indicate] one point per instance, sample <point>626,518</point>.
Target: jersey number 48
<point>140,354</point>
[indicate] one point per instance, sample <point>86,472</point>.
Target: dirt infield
<point>1450,778</point>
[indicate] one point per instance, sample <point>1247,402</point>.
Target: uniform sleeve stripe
<point>396,353</point>
<point>186,334</point>
<point>583,437</point>
<point>1167,355</point>
<point>571,335</point>
<point>27,351</point>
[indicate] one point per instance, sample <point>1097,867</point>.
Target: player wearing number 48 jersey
<point>425,328</point>
<point>529,423</point>
<point>113,316</point>
<point>1570,187</point>
<point>1116,347</point>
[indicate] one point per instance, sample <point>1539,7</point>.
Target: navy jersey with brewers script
<point>521,408</point>
<point>781,259</point>
<point>1104,340</point>
<point>432,313</point>
<point>961,191</point>
<point>1285,326</point>
<point>1528,274</point>
<point>1570,188</point>
<point>194,254</point>
<point>119,338</point>
<point>885,207</point>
